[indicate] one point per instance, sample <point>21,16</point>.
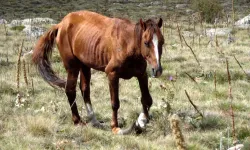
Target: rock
<point>3,21</point>
<point>181,6</point>
<point>153,11</point>
<point>164,7</point>
<point>119,1</point>
<point>27,21</point>
<point>37,21</point>
<point>237,147</point>
<point>14,23</point>
<point>189,11</point>
<point>188,34</point>
<point>141,5</point>
<point>156,3</point>
<point>218,31</point>
<point>244,22</point>
<point>33,31</point>
<point>31,21</point>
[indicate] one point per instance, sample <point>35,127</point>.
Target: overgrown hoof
<point>117,131</point>
<point>138,130</point>
<point>98,124</point>
<point>120,131</point>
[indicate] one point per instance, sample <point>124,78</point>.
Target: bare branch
<point>231,101</point>
<point>179,33</point>
<point>195,107</point>
<point>192,78</point>
<point>240,66</point>
<point>191,51</point>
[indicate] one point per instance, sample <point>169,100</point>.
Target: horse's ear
<point>160,23</point>
<point>143,25</point>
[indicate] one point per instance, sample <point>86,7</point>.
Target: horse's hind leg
<point>70,90</point>
<point>85,76</point>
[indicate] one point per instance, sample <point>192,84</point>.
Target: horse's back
<point>84,20</point>
<point>81,17</point>
<point>87,35</point>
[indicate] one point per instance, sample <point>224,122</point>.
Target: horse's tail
<point>41,55</point>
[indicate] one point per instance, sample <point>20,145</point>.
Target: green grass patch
<point>40,126</point>
<point>226,106</point>
<point>17,28</point>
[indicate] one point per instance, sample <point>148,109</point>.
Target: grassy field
<point>41,117</point>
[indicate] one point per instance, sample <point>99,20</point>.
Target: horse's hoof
<point>96,123</point>
<point>138,130</point>
<point>126,131</point>
<point>80,123</point>
<point>117,131</point>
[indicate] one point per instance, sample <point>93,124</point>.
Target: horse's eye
<point>146,44</point>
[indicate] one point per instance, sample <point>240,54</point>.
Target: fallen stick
<point>240,66</point>
<point>195,107</point>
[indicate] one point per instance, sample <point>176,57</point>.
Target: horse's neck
<point>124,31</point>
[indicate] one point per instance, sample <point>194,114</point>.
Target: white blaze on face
<point>155,42</point>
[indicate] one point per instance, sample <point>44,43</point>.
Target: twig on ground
<point>195,107</point>
<point>240,66</point>
<point>192,78</point>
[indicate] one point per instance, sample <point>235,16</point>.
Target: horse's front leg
<point>146,101</point>
<point>114,94</point>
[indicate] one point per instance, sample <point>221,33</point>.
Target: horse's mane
<point>124,19</point>
<point>138,35</point>
<point>138,31</point>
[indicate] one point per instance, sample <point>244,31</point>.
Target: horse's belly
<point>94,58</point>
<point>95,65</point>
<point>99,68</point>
<point>127,76</point>
<point>129,72</point>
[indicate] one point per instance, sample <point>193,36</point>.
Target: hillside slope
<point>134,9</point>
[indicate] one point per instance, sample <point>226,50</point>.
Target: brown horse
<point>115,46</point>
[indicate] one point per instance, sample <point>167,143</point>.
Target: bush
<point>18,28</point>
<point>246,144</point>
<point>210,9</point>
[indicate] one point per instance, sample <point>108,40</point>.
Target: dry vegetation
<point>37,116</point>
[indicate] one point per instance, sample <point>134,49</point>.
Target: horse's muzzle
<point>156,72</point>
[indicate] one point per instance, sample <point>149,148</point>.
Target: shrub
<point>243,132</point>
<point>18,28</point>
<point>210,9</point>
<point>246,144</point>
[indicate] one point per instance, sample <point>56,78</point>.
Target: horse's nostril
<point>156,72</point>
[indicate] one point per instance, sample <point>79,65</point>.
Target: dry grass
<point>43,121</point>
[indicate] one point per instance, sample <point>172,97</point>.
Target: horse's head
<point>151,41</point>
